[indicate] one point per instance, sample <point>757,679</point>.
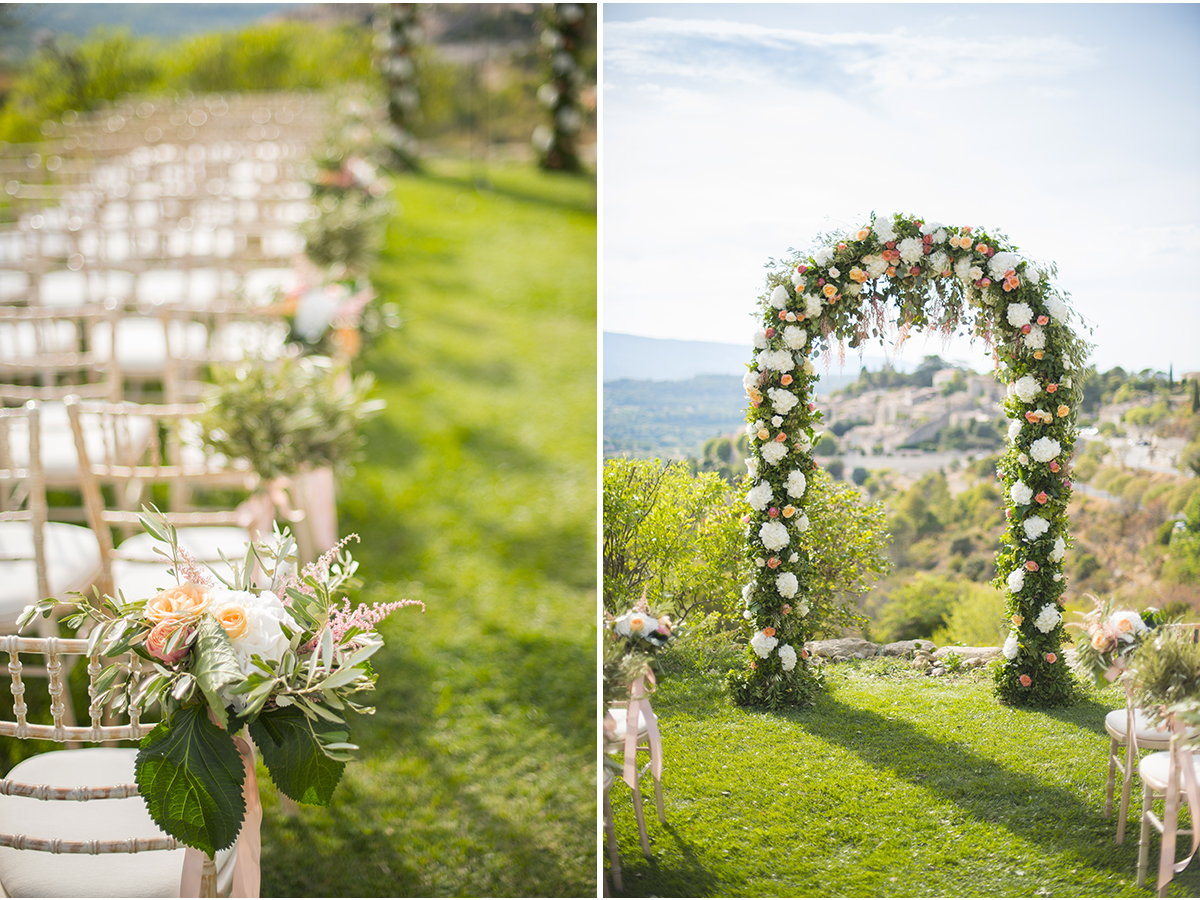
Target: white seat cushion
<point>32,873</point>
<point>620,715</point>
<point>72,564</point>
<point>1153,769</point>
<point>142,343</point>
<point>60,460</point>
<point>1147,734</point>
<point>142,573</point>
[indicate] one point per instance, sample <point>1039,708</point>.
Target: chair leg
<point>1112,777</point>
<point>658,800</point>
<point>641,822</point>
<point>610,838</point>
<point>1126,785</point>
<point>1144,839</point>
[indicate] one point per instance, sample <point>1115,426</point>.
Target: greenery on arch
<point>896,274</point>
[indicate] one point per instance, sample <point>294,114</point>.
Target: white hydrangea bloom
<point>779,297</point>
<point>1060,549</point>
<point>1021,493</point>
<point>801,607</point>
<point>1036,339</point>
<point>1035,527</point>
<point>804,441</point>
<point>1019,314</point>
<point>783,401</point>
<point>812,306</point>
<point>1016,580</point>
<point>750,379</point>
<point>823,256</point>
<point>938,260</point>
<point>1045,449</point>
<point>1014,429</point>
<point>885,229</point>
<point>762,644</point>
<point>853,289</point>
<point>939,236</point>
<point>787,657</point>
<point>760,339</point>
<point>802,523</point>
<point>787,585</point>
<point>1032,273</point>
<point>778,360</point>
<point>773,452</point>
<point>911,249</point>
<point>1057,309</point>
<point>774,535</point>
<point>760,495</point>
<point>795,484</point>
<point>875,264</point>
<point>748,592</point>
<point>795,337</point>
<point>1047,619</point>
<point>1011,647</point>
<point>1027,388</point>
<point>999,264</point>
<point>1128,624</point>
<point>962,268</point>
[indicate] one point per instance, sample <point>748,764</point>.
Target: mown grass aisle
<point>893,785</point>
<point>477,773</point>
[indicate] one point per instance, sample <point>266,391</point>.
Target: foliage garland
<point>901,271</point>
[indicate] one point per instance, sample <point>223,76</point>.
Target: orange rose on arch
<point>179,605</point>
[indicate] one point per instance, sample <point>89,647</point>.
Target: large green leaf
<point>215,665</point>
<point>298,766</point>
<point>190,774</point>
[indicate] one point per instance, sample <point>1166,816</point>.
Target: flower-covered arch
<point>902,271</point>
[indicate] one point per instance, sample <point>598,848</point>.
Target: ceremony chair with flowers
<point>175,461</point>
<point>630,725</point>
<point>1165,678</point>
<point>52,845</point>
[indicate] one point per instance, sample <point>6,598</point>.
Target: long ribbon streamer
<point>1181,758</point>
<point>639,711</point>
<point>247,872</point>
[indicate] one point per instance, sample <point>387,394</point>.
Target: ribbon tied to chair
<point>1181,756</point>
<point>246,870</point>
<point>639,709</point>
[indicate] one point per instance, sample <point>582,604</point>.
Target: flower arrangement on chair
<point>632,642</point>
<point>270,650</point>
<point>1112,638</point>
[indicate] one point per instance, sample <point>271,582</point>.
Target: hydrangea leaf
<point>190,774</point>
<point>298,766</point>
<point>215,665</point>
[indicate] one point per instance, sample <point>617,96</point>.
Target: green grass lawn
<point>477,496</point>
<point>892,785</point>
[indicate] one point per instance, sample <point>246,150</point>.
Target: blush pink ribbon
<point>1181,757</point>
<point>639,711</point>
<point>247,867</point>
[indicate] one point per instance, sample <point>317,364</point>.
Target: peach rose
<point>863,234</point>
<point>789,511</point>
<point>156,642</point>
<point>179,605</point>
<point>1017,620</point>
<point>1103,642</point>
<point>1025,680</point>
<point>1038,354</point>
<point>773,562</point>
<point>1063,410</point>
<point>233,619</point>
<point>829,290</point>
<point>786,380</point>
<point>769,631</point>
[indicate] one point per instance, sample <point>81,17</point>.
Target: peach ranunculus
<point>156,642</point>
<point>179,605</point>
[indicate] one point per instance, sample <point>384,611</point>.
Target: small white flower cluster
<point>762,644</point>
<point>774,452</point>
<point>1048,618</point>
<point>1035,527</point>
<point>783,401</point>
<point>1045,449</point>
<point>760,495</point>
<point>1026,387</point>
<point>774,535</point>
<point>1011,647</point>
<point>787,656</point>
<point>795,484</point>
<point>1021,493</point>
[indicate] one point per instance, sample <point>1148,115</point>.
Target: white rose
<point>774,535</point>
<point>787,657</point>
<point>261,633</point>
<point>776,421</point>
<point>760,495</point>
<point>783,401</point>
<point>787,585</point>
<point>773,452</point>
<point>779,297</point>
<point>1035,527</point>
<point>750,379</point>
<point>1019,314</point>
<point>802,523</point>
<point>1027,388</point>
<point>1021,493</point>
<point>1016,580</point>
<point>795,337</point>
<point>1045,449</point>
<point>835,272</point>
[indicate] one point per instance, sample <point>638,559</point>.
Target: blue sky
<point>733,132</point>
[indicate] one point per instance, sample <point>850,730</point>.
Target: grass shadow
<point>689,879</point>
<point>488,185</point>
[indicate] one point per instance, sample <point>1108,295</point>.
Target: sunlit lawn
<point>891,785</point>
<point>478,497</point>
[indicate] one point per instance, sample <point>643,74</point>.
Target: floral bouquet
<point>1112,638</point>
<point>283,658</point>
<point>632,642</point>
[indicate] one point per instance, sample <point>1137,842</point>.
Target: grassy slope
<point>891,786</point>
<point>477,496</point>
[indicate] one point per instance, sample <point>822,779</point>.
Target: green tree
<point>919,608</point>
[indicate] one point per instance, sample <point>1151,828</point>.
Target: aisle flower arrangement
<point>632,642</point>
<point>285,656</point>
<point>1111,639</point>
<point>901,272</point>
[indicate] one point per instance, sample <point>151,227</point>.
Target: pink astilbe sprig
<point>364,618</point>
<point>318,571</point>
<point>189,569</point>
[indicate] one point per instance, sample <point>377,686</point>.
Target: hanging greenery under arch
<point>901,273</point>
